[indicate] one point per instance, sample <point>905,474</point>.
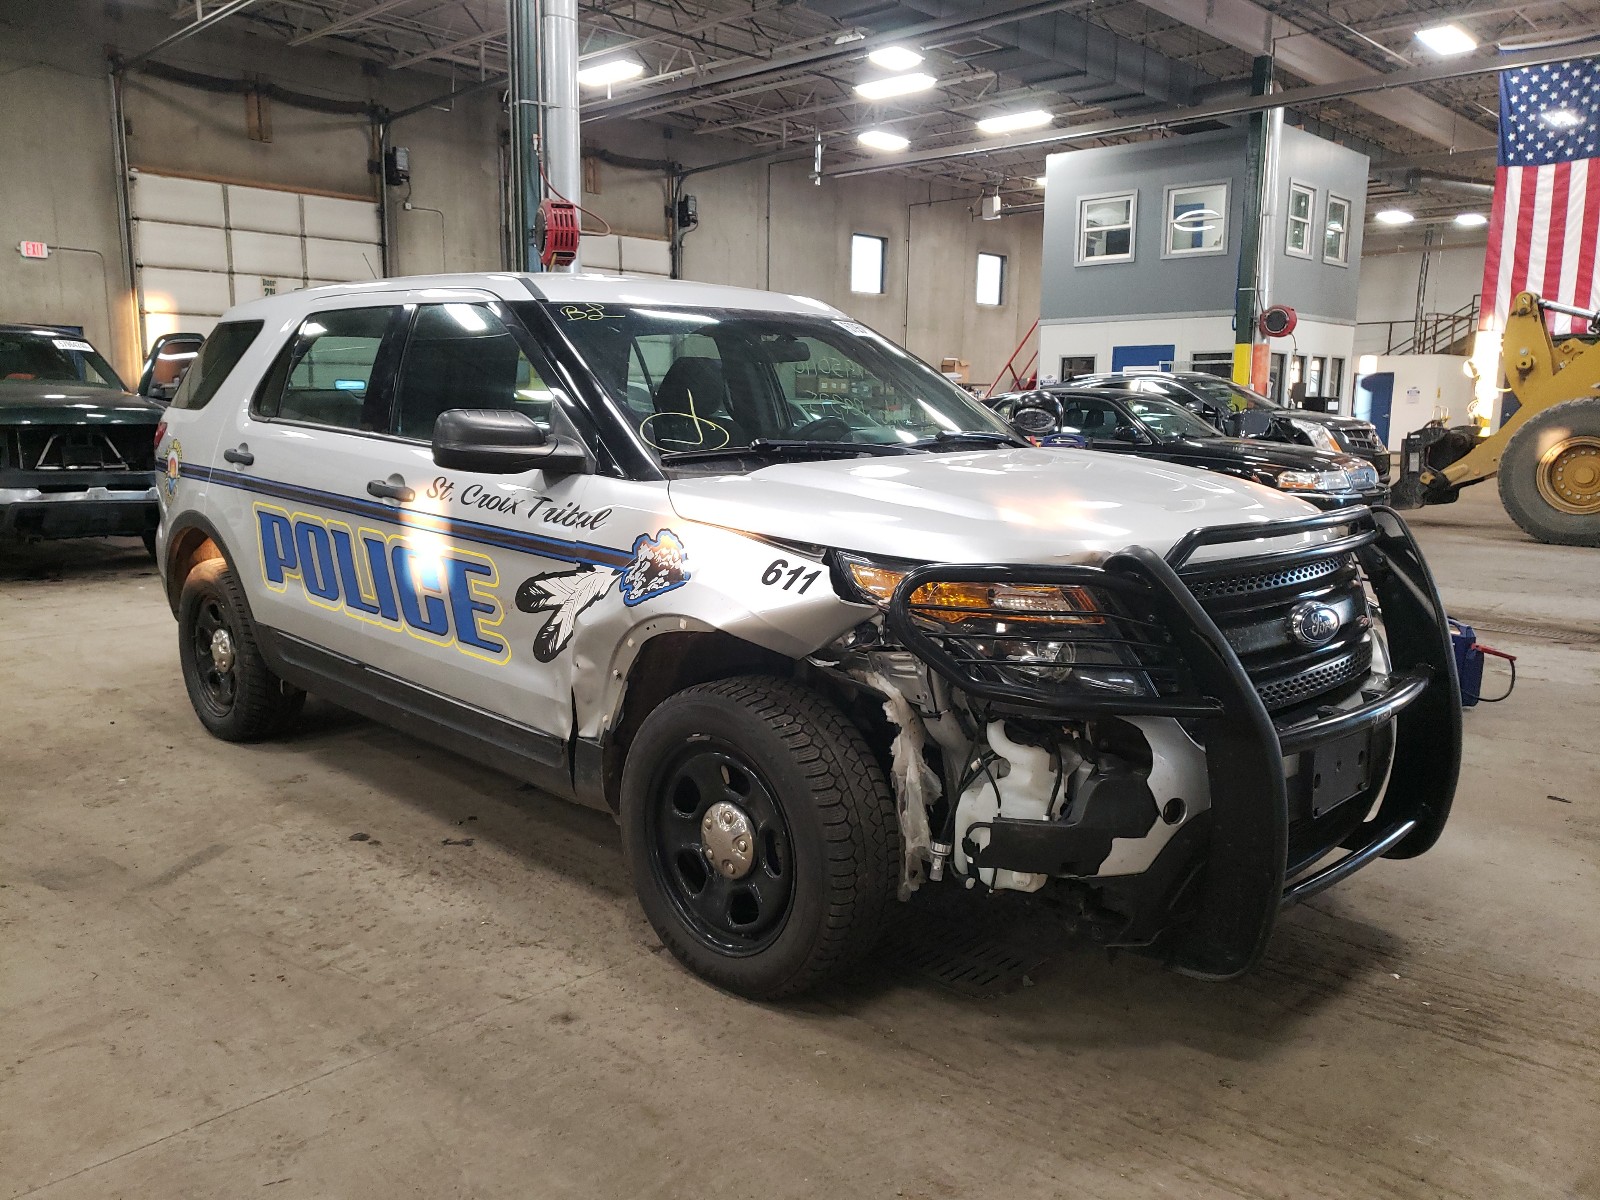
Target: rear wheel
<point>234,692</point>
<point>761,835</point>
<point>1550,474</point>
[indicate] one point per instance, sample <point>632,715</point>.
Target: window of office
<point>1315,373</point>
<point>1197,219</point>
<point>1213,362</point>
<point>1336,232</point>
<point>1105,228</point>
<point>1333,386</point>
<point>1302,203</point>
<point>991,279</point>
<point>868,255</point>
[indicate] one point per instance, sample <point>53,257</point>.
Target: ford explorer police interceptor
<point>818,629</point>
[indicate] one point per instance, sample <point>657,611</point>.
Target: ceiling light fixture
<point>1033,118</point>
<point>1447,39</point>
<point>882,139</point>
<point>1039,181</point>
<point>894,58</point>
<point>1393,216</point>
<point>617,70</point>
<point>1471,220</point>
<point>1560,118</point>
<point>895,85</point>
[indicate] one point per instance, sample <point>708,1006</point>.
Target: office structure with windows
<point>1141,258</point>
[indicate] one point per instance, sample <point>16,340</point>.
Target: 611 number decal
<point>780,572</point>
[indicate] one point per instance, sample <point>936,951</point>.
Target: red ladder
<point>1021,378</point>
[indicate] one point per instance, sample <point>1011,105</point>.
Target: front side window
<point>322,377</point>
<point>705,380</point>
<point>219,354</point>
<point>1302,200</point>
<point>1197,219</point>
<point>1096,419</point>
<point>464,356</point>
<point>868,256</point>
<point>1224,393</point>
<point>1336,232</point>
<point>991,279</point>
<point>1168,421</point>
<point>1105,228</point>
<point>46,357</point>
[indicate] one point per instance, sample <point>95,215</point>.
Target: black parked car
<point>1240,412</point>
<point>77,449</point>
<point>1150,427</point>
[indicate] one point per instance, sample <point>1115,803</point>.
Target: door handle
<point>385,490</point>
<point>241,456</point>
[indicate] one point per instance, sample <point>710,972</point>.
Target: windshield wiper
<point>950,437</point>
<point>785,448</point>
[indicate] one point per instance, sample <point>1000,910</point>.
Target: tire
<point>1553,459</point>
<point>824,863</point>
<point>239,700</point>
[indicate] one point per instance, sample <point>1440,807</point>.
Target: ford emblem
<point>1314,624</point>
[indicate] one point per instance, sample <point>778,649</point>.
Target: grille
<point>1362,438</point>
<point>1265,581</point>
<point>1253,611</point>
<point>81,448</point>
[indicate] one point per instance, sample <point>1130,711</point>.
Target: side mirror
<point>171,356</point>
<point>1127,435</point>
<point>499,441</point>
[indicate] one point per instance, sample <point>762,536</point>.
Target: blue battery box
<point>1469,662</point>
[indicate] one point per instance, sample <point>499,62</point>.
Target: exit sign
<point>34,249</point>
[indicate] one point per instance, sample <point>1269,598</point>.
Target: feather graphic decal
<point>564,596</point>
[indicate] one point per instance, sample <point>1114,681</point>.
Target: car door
<point>1105,425</point>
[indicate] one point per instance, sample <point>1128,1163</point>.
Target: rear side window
<point>464,356</point>
<point>322,377</point>
<point>218,356</point>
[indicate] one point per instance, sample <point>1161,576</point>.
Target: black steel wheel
<point>233,691</point>
<point>721,849</point>
<point>761,834</point>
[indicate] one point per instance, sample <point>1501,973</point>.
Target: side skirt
<point>529,754</point>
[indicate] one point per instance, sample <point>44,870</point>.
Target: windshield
<point>1222,392</point>
<point>1168,421</point>
<point>43,357</point>
<point>707,380</point>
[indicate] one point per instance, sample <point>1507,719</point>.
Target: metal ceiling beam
<point>994,15</point>
<point>188,31</point>
<point>1291,98</point>
<point>347,22</point>
<point>440,51</point>
<point>1247,25</point>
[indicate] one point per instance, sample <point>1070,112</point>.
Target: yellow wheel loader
<point>1546,452</point>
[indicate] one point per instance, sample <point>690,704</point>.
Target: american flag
<point>1545,222</point>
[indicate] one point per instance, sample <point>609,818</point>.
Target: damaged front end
<point>1181,743</point>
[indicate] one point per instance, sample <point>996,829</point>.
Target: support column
<point>522,27</point>
<point>1247,298</point>
<point>558,78</point>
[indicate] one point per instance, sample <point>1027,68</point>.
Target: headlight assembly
<point>1314,481</point>
<point>1318,434</point>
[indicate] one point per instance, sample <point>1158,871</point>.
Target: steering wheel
<point>826,429</point>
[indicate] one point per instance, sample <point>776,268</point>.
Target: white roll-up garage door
<point>622,254</point>
<point>201,247</point>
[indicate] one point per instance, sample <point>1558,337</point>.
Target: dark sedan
<point>77,449</point>
<point>1237,410</point>
<point>1150,427</point>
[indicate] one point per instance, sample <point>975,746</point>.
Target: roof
<point>559,287</point>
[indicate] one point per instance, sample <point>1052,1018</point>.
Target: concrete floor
<point>207,988</point>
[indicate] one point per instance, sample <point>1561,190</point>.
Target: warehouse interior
<point>349,961</point>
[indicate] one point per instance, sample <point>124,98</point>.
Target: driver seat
<point>692,409</point>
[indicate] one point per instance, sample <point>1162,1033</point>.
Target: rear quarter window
<point>218,356</point>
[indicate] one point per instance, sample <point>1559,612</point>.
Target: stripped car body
<point>629,539</point>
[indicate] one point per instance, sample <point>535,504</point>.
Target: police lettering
<point>444,597</point>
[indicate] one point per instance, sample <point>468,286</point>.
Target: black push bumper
<point>38,505</point>
<point>1210,899</point>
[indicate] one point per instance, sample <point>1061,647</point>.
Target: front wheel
<point>761,835</point>
<point>1550,474</point>
<point>234,692</point>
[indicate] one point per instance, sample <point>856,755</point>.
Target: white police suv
<point>819,629</point>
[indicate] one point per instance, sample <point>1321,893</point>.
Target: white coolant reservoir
<point>1022,792</point>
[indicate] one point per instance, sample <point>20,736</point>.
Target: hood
<point>1021,505</point>
<point>65,402</point>
<point>1321,418</point>
<point>1258,452</point>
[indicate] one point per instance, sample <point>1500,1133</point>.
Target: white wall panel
<point>274,254</point>
<point>195,247</point>
<point>645,256</point>
<point>167,198</point>
<point>350,220</point>
<point>263,210</point>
